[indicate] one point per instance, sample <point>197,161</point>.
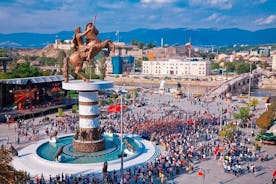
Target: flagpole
<point>190,47</point>
<point>122,152</point>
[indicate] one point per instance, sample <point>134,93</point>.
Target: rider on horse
<point>78,44</point>
<point>85,51</point>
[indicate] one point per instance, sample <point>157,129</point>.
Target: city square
<point>158,108</point>
<point>138,92</point>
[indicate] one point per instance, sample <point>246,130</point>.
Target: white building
<point>64,45</point>
<point>196,67</point>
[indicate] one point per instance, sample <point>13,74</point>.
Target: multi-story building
<point>264,51</point>
<point>196,67</point>
<point>122,64</point>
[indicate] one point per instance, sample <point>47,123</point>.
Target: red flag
<point>115,108</point>
<point>274,173</point>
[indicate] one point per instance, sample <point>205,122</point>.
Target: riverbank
<point>131,81</point>
<point>268,83</point>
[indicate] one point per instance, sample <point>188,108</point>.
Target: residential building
<point>264,51</point>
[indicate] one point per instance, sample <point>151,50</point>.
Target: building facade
<point>122,64</point>
<point>196,67</point>
<point>63,44</point>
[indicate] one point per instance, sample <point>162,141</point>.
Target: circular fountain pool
<point>69,155</point>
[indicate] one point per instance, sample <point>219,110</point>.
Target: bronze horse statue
<point>59,152</point>
<point>84,52</point>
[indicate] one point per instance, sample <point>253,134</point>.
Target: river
<point>263,92</point>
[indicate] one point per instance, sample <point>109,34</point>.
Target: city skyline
<point>125,15</point>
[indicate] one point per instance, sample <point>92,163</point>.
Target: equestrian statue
<point>85,51</point>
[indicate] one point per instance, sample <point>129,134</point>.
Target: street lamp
<point>249,85</point>
<point>122,151</point>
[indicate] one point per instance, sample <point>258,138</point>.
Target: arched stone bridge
<point>237,85</point>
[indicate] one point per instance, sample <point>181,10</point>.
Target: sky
<point>53,16</point>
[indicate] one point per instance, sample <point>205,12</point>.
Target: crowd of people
<point>185,139</point>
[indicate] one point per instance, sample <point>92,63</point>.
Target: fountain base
<point>89,146</point>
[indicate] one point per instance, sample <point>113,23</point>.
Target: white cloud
<point>265,20</point>
<point>157,1</point>
<point>221,4</point>
<point>214,16</point>
<point>23,2</point>
<point>116,5</point>
<point>258,2</point>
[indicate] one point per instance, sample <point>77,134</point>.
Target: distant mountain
<point>178,36</point>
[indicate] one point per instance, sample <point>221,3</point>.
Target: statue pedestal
<point>88,139</point>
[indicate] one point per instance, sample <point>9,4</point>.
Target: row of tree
<point>244,115</point>
<point>21,71</point>
<point>238,67</point>
<point>142,45</point>
<point>3,53</point>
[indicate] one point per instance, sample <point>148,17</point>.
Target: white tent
<point>272,129</point>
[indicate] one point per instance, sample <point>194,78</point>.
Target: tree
<point>4,75</point>
<point>211,56</point>
<point>128,96</point>
<point>74,108</point>
<point>24,70</point>
<point>243,114</point>
<point>214,65</point>
<point>141,45</point>
<point>145,58</point>
<point>150,45</point>
<point>242,68</point>
<point>3,53</point>
<point>264,120</point>
<point>60,58</point>
<point>138,63</point>
<point>228,131</point>
<point>230,67</point>
<point>46,72</point>
<point>136,94</point>
<point>8,174</point>
<point>134,42</point>
<point>109,101</point>
<point>253,103</point>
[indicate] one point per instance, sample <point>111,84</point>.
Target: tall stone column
<point>88,137</point>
